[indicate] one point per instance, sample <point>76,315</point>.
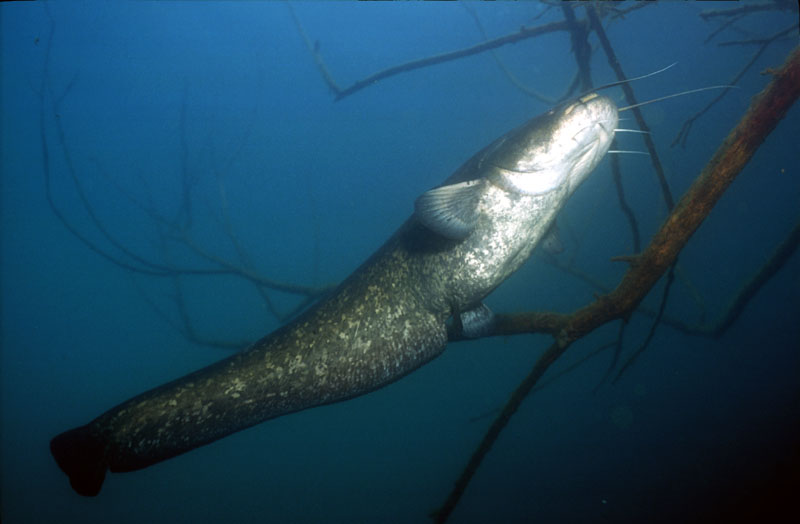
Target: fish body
<point>384,321</point>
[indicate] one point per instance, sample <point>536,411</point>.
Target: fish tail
<point>80,453</point>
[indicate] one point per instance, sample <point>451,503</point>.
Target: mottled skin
<point>386,320</point>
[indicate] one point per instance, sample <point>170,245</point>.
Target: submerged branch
<point>523,34</point>
<point>313,48</point>
<point>516,82</point>
<point>631,98</point>
<point>171,233</point>
<point>765,112</point>
<point>683,134</point>
<point>656,321</point>
<point>747,9</point>
<point>579,36</point>
<point>779,257</point>
<point>616,173</point>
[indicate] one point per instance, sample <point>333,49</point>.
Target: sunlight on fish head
<point>559,147</point>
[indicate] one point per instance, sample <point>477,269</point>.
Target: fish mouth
<point>559,151</point>
<point>587,148</point>
<point>592,134</point>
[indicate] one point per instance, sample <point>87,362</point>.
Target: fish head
<point>549,155</point>
<point>559,147</point>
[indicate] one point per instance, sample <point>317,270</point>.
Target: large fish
<point>386,320</point>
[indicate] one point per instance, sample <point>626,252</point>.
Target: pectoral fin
<point>450,211</point>
<point>551,242</point>
<point>477,322</point>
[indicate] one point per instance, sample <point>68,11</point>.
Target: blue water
<point>313,187</point>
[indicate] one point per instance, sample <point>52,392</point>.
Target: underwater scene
<point>400,262</point>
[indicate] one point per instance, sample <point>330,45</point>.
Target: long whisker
<point>632,131</point>
<point>675,95</point>
<point>621,152</point>
<point>612,84</point>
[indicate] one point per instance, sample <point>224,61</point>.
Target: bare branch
<point>747,9</point>
<point>171,233</point>
<point>631,98</point>
<point>516,82</point>
<point>683,134</point>
<point>766,110</point>
<point>523,34</point>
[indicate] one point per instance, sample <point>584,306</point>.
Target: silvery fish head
<point>561,146</point>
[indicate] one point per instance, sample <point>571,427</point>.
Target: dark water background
<point>695,427</point>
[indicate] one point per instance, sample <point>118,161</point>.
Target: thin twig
<point>746,9</point>
<point>683,134</point>
<point>616,174</point>
<point>523,34</point>
<point>631,98</point>
<point>651,333</point>
<point>579,36</point>
<point>776,261</point>
<point>516,82</point>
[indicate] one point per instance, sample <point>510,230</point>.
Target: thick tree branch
<point>765,112</point>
